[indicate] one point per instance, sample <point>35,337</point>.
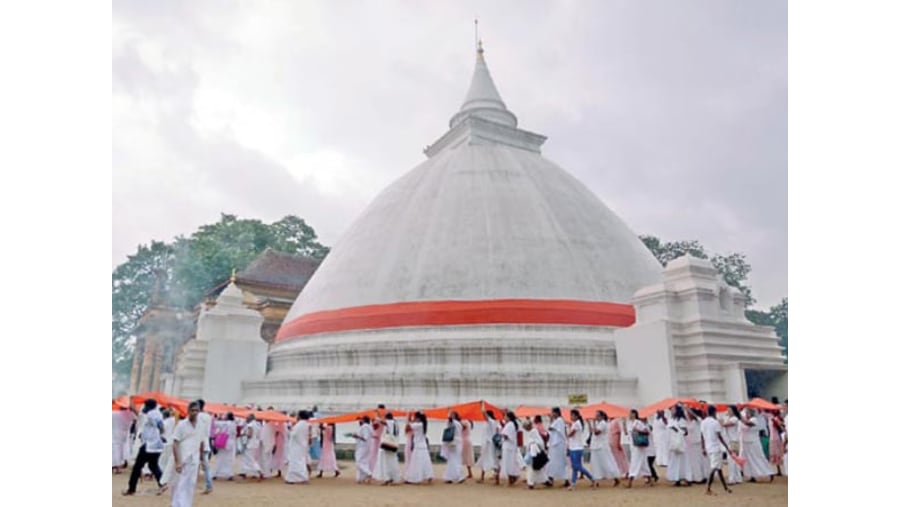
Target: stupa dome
<point>486,230</point>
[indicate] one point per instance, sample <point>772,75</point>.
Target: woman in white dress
<point>694,449</point>
<point>639,434</point>
<point>603,465</point>
<point>678,469</point>
<point>751,448</point>
<point>661,438</point>
<point>452,451</point>
<point>536,456</point>
<point>224,468</point>
<point>363,450</point>
<point>731,423</point>
<point>387,466</point>
<point>489,459</point>
<point>298,453</point>
<point>250,456</point>
<point>419,469</point>
<point>509,462</point>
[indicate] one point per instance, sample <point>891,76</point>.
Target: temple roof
<point>281,269</point>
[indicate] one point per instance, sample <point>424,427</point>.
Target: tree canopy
<point>181,272</point>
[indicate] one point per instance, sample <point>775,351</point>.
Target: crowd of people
<point>693,445</point>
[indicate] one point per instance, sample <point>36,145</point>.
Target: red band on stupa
<point>450,313</point>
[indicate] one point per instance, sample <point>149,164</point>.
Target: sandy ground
<point>343,491</point>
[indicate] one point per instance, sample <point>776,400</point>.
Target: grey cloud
<point>673,113</point>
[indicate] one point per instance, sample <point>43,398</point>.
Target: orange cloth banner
<point>470,411</point>
<point>668,403</point>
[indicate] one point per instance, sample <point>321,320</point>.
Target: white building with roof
<point>489,272</point>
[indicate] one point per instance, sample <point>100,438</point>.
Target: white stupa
<point>486,272</point>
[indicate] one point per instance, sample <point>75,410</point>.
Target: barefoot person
<point>556,469</point>
<point>714,446</point>
<point>187,450</point>
<point>298,453</point>
<point>639,435</point>
<point>327,459</point>
<point>489,459</point>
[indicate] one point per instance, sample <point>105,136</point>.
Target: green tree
<point>182,272</point>
<point>133,284</point>
<point>777,317</point>
<point>733,267</point>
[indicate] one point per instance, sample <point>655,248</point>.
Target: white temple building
<point>489,272</point>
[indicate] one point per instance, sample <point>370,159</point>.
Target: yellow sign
<point>577,399</point>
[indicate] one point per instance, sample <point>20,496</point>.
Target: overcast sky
<point>673,112</point>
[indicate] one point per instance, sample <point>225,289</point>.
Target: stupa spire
<point>483,100</point>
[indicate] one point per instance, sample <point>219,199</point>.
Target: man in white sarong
<point>186,453</point>
<point>556,468</point>
<point>298,452</point>
<point>249,464</point>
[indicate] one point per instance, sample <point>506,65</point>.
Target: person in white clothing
<point>603,464</point>
<point>166,463</point>
<point>785,437</point>
<point>661,438</point>
<point>187,450</point>
<point>575,435</point>
<point>536,456</point>
<point>420,468</point>
<point>298,451</point>
<point>121,424</point>
<point>751,448</point>
<point>363,449</point>
<point>225,455</point>
<point>249,463</point>
<point>556,469</point>
<point>509,463</point>
<point>267,449</point>
<point>714,446</point>
<point>731,423</point>
<point>678,470</point>
<point>205,421</point>
<point>489,459</point>
<point>451,450</point>
<point>639,434</point>
<point>387,466</point>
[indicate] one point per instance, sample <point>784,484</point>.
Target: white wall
<point>228,362</point>
<point>644,351</point>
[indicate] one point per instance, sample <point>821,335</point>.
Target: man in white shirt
<point>187,451</point>
<point>151,448</point>
<point>204,421</point>
<point>714,446</point>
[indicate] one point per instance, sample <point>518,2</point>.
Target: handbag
<point>640,439</point>
<point>220,441</point>
<point>538,462</point>
<point>389,443</point>
<point>676,442</point>
<point>449,433</point>
<point>498,441</point>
